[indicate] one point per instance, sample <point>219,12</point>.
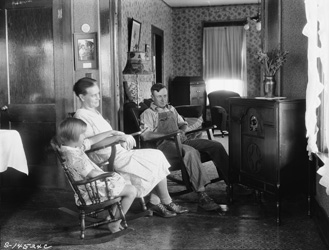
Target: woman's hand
<point>182,132</point>
<point>127,142</point>
<point>94,173</point>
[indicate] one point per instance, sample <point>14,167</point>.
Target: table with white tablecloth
<point>12,153</point>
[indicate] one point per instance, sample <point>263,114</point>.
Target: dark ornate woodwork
<point>34,90</point>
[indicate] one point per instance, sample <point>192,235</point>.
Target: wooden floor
<point>31,216</point>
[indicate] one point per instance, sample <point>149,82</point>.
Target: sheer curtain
<point>317,32</point>
<point>224,58</point>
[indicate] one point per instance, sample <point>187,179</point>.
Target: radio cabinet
<point>267,145</point>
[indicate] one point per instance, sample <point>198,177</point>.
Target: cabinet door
<point>259,148</point>
<point>253,145</point>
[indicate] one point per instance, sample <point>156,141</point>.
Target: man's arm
<point>183,128</point>
<point>182,124</point>
<point>149,135</point>
<point>149,125</point>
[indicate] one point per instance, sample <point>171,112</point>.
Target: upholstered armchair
<point>219,109</point>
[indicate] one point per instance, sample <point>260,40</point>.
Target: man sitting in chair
<point>161,119</point>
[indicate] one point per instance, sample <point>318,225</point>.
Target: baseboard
<point>322,222</point>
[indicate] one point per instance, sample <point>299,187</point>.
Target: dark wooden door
<point>28,94</point>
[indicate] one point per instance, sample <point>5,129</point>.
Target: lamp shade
<point>135,63</point>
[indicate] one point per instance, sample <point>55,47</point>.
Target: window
<point>323,115</point>
<point>224,57</point>
<point>317,98</point>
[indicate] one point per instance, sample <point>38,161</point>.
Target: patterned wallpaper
<point>187,32</point>
<point>183,35</point>
<point>148,12</point>
<point>294,71</point>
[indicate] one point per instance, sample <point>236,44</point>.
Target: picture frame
<point>85,51</point>
<point>135,33</point>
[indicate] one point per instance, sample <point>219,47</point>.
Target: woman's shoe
<point>161,210</point>
<point>178,209</point>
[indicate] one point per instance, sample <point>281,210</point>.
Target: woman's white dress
<point>143,168</point>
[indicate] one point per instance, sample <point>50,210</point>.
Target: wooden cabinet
<point>187,90</point>
<point>267,145</point>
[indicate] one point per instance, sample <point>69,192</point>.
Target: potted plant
<point>272,62</point>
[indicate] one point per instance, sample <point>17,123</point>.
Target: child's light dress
<point>80,165</point>
<point>143,168</point>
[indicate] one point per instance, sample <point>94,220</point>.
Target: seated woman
<point>71,137</point>
<point>145,169</point>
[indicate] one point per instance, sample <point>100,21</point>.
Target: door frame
<point>157,51</point>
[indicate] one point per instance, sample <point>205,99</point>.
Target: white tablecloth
<point>12,152</point>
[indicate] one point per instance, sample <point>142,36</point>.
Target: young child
<point>71,136</point>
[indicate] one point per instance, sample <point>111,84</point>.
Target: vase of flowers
<point>272,62</point>
<point>269,86</point>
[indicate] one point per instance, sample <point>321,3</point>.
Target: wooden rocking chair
<point>88,210</point>
<point>176,165</point>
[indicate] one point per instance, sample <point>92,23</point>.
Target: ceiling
<point>192,3</point>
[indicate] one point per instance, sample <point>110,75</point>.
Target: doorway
<point>157,53</point>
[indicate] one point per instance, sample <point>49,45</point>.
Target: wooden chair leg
<point>83,224</point>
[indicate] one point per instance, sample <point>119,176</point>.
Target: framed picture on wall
<point>85,51</point>
<point>135,35</point>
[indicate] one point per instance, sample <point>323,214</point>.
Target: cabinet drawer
<point>197,90</point>
<point>197,101</point>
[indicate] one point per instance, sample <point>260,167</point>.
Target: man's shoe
<point>161,210</point>
<point>178,209</point>
<point>224,207</point>
<point>207,203</point>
